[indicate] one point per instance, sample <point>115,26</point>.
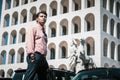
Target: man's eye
<point>43,16</point>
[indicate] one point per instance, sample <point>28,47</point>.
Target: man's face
<point>41,18</point>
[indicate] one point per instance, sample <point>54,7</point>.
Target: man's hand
<point>32,56</point>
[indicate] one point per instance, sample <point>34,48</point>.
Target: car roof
<point>99,68</point>
<point>50,69</point>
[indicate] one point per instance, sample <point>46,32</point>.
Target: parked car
<point>98,74</point>
<point>53,74</point>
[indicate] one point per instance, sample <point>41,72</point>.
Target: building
<point>96,21</point>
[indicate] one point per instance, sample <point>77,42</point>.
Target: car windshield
<point>98,74</point>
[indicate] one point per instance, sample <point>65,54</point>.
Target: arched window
<point>8,4</point>
<point>32,13</point>
<point>11,59</point>
<point>118,30</point>
<point>105,21</point>
<point>2,73</point>
<point>20,56</point>
<point>118,50</point>
<point>105,47</point>
<point>52,53</point>
<point>53,8</point>
<point>111,5</point>
<point>15,18</point>
<point>90,3</point>
<point>13,37</point>
<point>7,20</point>
<point>76,5</point>
<point>5,39</point>
<point>117,9</point>
<point>104,3</point>
<point>112,22</point>
<point>64,6</point>
<point>112,50</point>
<point>23,16</point>
<point>22,35</point>
<point>90,46</point>
<point>3,57</point>
<point>76,28</point>
<point>90,22</point>
<point>15,3</point>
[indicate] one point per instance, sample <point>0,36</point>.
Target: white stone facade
<point>96,21</point>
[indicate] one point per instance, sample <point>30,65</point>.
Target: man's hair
<point>43,12</point>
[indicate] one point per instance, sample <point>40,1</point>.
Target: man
<point>36,48</point>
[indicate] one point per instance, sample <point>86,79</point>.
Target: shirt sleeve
<point>30,41</point>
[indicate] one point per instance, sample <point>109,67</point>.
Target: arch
<point>20,56</point>
<point>52,48</point>
<point>13,37</point>
<point>118,30</point>
<point>112,50</point>
<point>9,73</point>
<point>22,35</point>
<point>112,23</point>
<point>111,5</point>
<point>52,30</point>
<point>23,17</point>
<point>104,4</point>
<point>76,22</point>
<point>2,73</point>
<point>106,65</point>
<point>3,57</point>
<point>15,18</point>
<point>64,6</point>
<point>105,22</point>
<point>90,46</point>
<point>32,13</point>
<point>53,8</point>
<point>7,4</point>
<point>11,56</point>
<point>90,22</point>
<point>76,5</point>
<point>117,9</point>
<point>15,3</point>
<point>105,47</point>
<point>43,7</point>
<point>64,27</point>
<point>5,38</point>
<point>6,20</point>
<point>63,67</point>
<point>118,55</point>
<point>90,3</point>
<point>63,49</point>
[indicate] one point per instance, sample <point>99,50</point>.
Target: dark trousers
<point>37,68</point>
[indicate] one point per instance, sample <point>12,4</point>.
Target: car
<point>53,74</point>
<point>98,74</point>
<point>59,74</point>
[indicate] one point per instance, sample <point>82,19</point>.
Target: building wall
<point>95,21</point>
